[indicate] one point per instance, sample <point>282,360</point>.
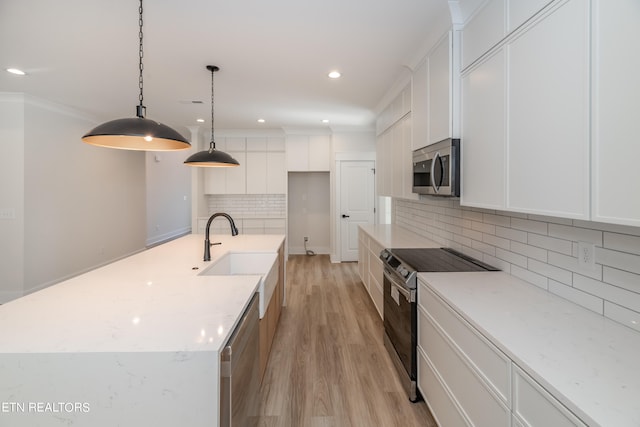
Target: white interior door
<point>357,201</point>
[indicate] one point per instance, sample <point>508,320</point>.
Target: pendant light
<point>137,133</point>
<point>211,157</point>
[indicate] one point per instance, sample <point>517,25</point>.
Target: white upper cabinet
<point>520,11</point>
<point>435,93</point>
<point>308,153</point>
<point>483,144</point>
<point>443,89</point>
<point>484,30</point>
<point>525,142</point>
<point>420,106</point>
<point>262,167</point>
<point>227,180</point>
<point>487,26</point>
<point>616,122</point>
<point>548,114</point>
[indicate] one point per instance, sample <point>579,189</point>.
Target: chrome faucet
<point>207,243</point>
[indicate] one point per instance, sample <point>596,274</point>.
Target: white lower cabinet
<point>469,390</point>
<point>370,269</point>
<point>533,406</point>
<point>436,394</point>
<point>468,381</point>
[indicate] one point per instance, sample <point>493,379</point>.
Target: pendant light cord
<point>141,109</point>
<point>212,145</point>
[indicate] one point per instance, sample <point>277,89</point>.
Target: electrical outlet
<point>306,239</point>
<point>7,213</point>
<point>586,255</point>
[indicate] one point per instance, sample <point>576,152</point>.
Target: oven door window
<point>397,323</point>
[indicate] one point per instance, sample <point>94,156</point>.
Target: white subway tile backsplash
<point>620,260</point>
<point>485,228</point>
<point>496,241</point>
<point>621,278</point>
<point>576,234</point>
<point>529,251</point>
<point>571,263</point>
<point>630,300</point>
<point>529,225</point>
<point>512,257</point>
<point>512,234</point>
<point>550,219</point>
<point>577,296</point>
<point>531,277</point>
<point>540,250</point>
<point>614,228</point>
<point>622,315</point>
<point>484,248</point>
<point>559,274</point>
<point>472,234</point>
<point>550,243</point>
<point>501,220</point>
<point>622,242</point>
<point>249,205</point>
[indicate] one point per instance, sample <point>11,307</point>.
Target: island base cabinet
<point>533,406</point>
<point>269,322</point>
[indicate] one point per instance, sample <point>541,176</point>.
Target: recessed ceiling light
<point>16,71</point>
<point>261,120</point>
<point>325,121</point>
<point>334,74</point>
<point>200,120</point>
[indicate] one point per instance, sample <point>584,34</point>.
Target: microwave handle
<point>436,158</point>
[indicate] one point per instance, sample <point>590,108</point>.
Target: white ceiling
<point>273,55</point>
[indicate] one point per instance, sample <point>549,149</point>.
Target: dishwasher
<point>240,372</point>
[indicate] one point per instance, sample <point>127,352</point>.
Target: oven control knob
<point>403,272</point>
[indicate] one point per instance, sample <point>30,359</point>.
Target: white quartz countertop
<point>588,362</point>
<point>393,236</point>
<point>149,302</point>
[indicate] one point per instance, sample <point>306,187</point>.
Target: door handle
<point>345,216</point>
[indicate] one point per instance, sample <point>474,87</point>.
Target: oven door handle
<point>403,290</point>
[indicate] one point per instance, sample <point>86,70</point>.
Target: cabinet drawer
<point>375,248</point>
<point>533,406</point>
<point>492,365</point>
<point>467,387</point>
<point>376,268</point>
<point>377,294</point>
<point>437,397</point>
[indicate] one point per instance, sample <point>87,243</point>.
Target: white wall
<point>308,212</point>
<point>11,195</point>
<point>168,195</point>
<point>540,250</point>
<point>83,206</point>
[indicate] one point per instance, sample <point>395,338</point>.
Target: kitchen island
<point>132,343</point>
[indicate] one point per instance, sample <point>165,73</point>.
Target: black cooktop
<point>425,260</point>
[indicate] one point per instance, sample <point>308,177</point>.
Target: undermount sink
<point>249,263</point>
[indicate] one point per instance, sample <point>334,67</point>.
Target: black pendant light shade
<point>212,157</point>
<point>137,133</point>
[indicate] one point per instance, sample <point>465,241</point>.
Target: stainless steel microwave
<point>436,169</point>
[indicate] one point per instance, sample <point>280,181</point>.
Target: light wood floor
<point>328,365</point>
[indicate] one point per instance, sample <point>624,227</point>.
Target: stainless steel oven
<point>400,302</point>
<point>436,169</point>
